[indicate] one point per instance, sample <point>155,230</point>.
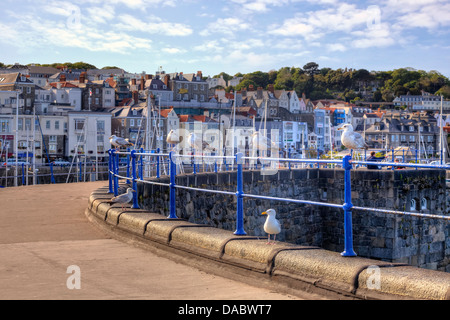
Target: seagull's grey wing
<point>359,140</point>
<point>123,198</point>
<point>121,141</point>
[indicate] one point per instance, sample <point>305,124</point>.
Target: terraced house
<point>405,130</point>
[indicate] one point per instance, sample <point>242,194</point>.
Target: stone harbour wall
<point>396,238</point>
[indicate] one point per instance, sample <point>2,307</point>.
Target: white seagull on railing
<point>351,139</point>
<point>120,142</point>
<point>272,225</point>
<point>124,198</point>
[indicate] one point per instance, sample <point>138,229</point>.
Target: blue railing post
<point>240,199</point>
<point>393,159</point>
<point>128,166</point>
<point>23,174</point>
<point>194,164</point>
<point>158,164</point>
<point>348,233</point>
<point>110,190</point>
<point>52,175</point>
<point>115,170</point>
<point>173,173</point>
<point>141,165</point>
<point>133,167</point>
<point>289,156</point>
<point>80,174</point>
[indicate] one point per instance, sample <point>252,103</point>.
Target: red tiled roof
<point>63,85</point>
<point>165,112</point>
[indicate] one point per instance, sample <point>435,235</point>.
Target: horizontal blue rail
<point>239,159</point>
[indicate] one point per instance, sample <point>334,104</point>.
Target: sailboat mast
<point>441,143</point>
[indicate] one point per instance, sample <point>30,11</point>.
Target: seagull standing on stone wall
<point>124,198</point>
<point>272,225</point>
<point>352,140</point>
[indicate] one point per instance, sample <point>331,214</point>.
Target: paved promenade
<point>44,231</point>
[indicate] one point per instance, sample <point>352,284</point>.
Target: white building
<point>235,81</point>
<point>214,82</point>
<point>88,134</point>
<point>295,135</point>
<point>295,103</point>
<point>59,97</point>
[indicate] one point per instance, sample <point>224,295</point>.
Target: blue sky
<point>231,36</point>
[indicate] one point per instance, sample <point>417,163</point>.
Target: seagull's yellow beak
<point>339,129</point>
<point>264,212</point>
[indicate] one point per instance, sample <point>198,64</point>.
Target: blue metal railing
<point>239,158</point>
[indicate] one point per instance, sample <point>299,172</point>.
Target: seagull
<point>272,225</point>
<point>119,142</point>
<point>172,137</point>
<point>351,139</point>
<point>124,198</point>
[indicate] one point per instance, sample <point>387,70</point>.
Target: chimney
<point>142,84</point>
<point>251,88</point>
<point>166,80</point>
<point>259,93</point>
<point>83,77</point>
<point>135,97</point>
<point>62,78</point>
<point>148,77</point>
<point>200,75</point>
<point>133,82</point>
<point>270,88</point>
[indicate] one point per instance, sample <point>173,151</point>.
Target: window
<point>27,124</point>
<point>20,124</point>
<point>79,124</point>
<point>47,124</point>
<point>4,126</point>
<point>411,128</point>
<point>57,125</point>
<point>412,205</point>
<point>101,126</point>
<point>131,122</point>
<point>52,144</point>
<point>423,204</point>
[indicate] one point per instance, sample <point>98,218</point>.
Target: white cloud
<point>173,50</point>
<point>226,26</point>
<point>157,26</point>
<point>337,47</point>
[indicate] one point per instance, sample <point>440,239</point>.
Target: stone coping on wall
<point>286,264</point>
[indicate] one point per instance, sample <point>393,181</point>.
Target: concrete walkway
<point>44,231</point>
